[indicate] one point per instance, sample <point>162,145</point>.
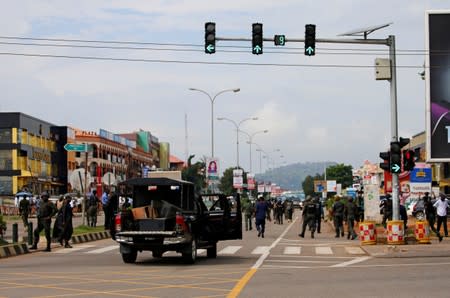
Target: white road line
<point>354,250</point>
<point>259,250</point>
<point>354,261</point>
<point>266,254</point>
<point>292,261</point>
<point>103,249</point>
<point>326,250</point>
<point>292,250</point>
<point>229,250</point>
<point>311,257</point>
<point>75,248</point>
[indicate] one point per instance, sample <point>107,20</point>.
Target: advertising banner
<point>238,180</point>
<point>331,186</point>
<point>320,186</point>
<point>261,187</point>
<point>250,181</point>
<point>212,169</point>
<point>372,203</point>
<point>437,45</point>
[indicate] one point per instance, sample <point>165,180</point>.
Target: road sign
<point>78,147</point>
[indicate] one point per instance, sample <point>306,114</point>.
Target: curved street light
<point>250,142</point>
<point>212,99</point>
<point>237,132</point>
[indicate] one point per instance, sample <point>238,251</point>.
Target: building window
<point>5,160</point>
<point>6,185</point>
<point>5,136</point>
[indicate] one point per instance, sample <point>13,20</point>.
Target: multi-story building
<point>30,156</point>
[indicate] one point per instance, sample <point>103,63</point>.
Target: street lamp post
<point>250,142</point>
<point>212,99</point>
<point>237,133</point>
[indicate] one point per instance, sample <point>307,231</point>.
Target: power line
<point>287,51</point>
<point>202,62</point>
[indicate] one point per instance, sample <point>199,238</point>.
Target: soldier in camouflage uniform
<point>309,217</point>
<point>46,211</point>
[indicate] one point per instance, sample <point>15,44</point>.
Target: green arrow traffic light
<point>210,38</point>
<point>310,51</point>
<point>257,38</point>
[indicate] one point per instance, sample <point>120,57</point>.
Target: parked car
<point>167,215</point>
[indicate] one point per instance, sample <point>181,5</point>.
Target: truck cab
<point>167,215</point>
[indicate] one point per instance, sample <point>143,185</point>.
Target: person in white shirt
<point>441,210</point>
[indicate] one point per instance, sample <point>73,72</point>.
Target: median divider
<point>16,249</point>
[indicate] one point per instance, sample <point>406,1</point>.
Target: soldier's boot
<point>48,247</point>
<point>312,234</point>
<point>348,236</point>
<point>34,246</point>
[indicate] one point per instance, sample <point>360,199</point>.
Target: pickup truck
<point>166,215</point>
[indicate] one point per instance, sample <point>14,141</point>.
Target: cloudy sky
<point>313,112</point>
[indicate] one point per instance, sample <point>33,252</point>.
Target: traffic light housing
<point>396,157</point>
<point>210,38</point>
<point>257,38</point>
<point>310,40</point>
<point>386,165</point>
<point>408,160</point>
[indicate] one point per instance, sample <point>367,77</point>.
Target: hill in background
<point>290,177</point>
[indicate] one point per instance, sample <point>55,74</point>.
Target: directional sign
<point>310,51</point>
<point>77,147</point>
<point>210,49</point>
<point>396,168</point>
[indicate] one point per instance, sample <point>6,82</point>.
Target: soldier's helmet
<point>44,195</point>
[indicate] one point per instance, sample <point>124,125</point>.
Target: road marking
<point>325,250</point>
<point>354,250</point>
<point>301,261</point>
<point>229,250</point>
<point>75,248</point>
<point>259,250</point>
<point>354,261</point>
<point>103,249</point>
<point>201,252</point>
<point>246,278</point>
<point>292,250</point>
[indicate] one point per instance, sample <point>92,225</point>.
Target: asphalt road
<point>279,265</point>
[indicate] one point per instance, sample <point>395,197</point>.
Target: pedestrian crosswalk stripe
<point>292,250</point>
<point>260,250</point>
<point>103,249</point>
<point>229,250</point>
<point>325,250</point>
<point>75,248</point>
<point>354,250</point>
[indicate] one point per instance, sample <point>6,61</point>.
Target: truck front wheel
<point>129,257</point>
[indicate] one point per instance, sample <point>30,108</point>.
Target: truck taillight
<point>180,224</point>
<point>118,222</point>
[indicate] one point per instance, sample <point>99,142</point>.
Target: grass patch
<point>12,217</point>
<point>3,242</point>
<point>83,229</point>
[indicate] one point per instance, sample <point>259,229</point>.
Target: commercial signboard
<point>212,169</point>
<point>320,186</point>
<point>250,181</point>
<point>437,75</point>
<point>238,180</point>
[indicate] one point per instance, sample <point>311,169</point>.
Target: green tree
<point>226,182</point>
<point>308,184</point>
<point>195,173</point>
<point>341,173</point>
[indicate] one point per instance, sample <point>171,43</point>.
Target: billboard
<point>437,75</point>
<point>212,172</point>
<point>238,179</point>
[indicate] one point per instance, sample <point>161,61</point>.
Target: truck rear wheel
<point>129,257</point>
<point>190,254</point>
<point>211,252</point>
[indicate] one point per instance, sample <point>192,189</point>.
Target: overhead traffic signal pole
<point>390,42</point>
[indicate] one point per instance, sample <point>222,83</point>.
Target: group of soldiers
<point>351,211</point>
<point>280,209</point>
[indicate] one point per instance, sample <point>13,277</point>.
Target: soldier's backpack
<point>311,209</point>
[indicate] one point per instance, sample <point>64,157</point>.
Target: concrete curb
<point>11,250</point>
